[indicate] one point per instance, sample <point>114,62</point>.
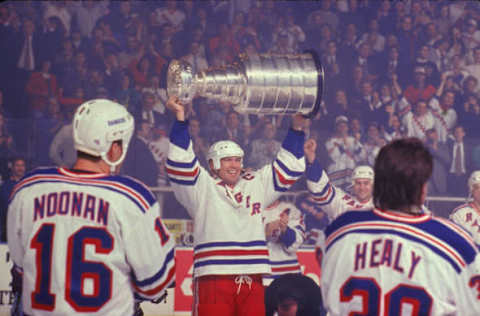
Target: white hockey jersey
<point>283,248</point>
<point>333,200</point>
<point>382,263</point>
<point>468,217</point>
<point>87,243</point>
<point>228,230</point>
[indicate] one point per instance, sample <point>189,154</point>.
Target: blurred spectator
<point>76,75</point>
<point>127,95</point>
<point>146,113</point>
<point>44,129</point>
<point>158,144</point>
<point>62,151</point>
<point>112,72</point>
<point>366,103</point>
<point>326,14</point>
<point>345,151</point>
<point>394,130</point>
<point>140,162</point>
<point>373,142</point>
<point>224,40</point>
<point>52,35</point>
<point>348,45</point>
<point>195,58</point>
<point>471,35</point>
<point>131,51</point>
<point>172,15</point>
<point>8,148</point>
<point>441,163</point>
<point>387,104</point>
<point>25,47</point>
<point>264,149</point>
<point>200,145</point>
<point>58,9</point>
<point>86,15</point>
<point>117,19</point>
<point>341,106</point>
<point>17,170</point>
<point>469,114</point>
<point>419,121</point>
<point>41,86</point>
<point>94,83</point>
<point>445,115</point>
<point>474,67</point>
<point>159,93</point>
<point>373,37</point>
<point>408,39</point>
<point>234,129</point>
<point>385,17</point>
<point>419,90</point>
<point>461,163</point>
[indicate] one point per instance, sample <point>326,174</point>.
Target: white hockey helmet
<point>97,124</point>
<point>362,172</point>
<point>474,179</point>
<point>223,149</point>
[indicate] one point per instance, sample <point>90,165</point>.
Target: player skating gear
<point>223,149</point>
<point>97,124</point>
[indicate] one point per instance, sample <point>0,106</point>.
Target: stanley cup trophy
<point>255,84</point>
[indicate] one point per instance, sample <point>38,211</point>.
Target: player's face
<point>476,193</point>
<point>230,169</point>
<point>362,189</point>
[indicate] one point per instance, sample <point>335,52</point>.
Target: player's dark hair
<point>401,169</point>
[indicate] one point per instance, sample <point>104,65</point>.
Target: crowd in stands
<point>392,69</point>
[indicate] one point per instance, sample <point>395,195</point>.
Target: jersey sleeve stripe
<point>168,261</point>
<point>161,287</point>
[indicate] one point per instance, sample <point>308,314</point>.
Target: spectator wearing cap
<point>344,151</point>
<point>419,90</point>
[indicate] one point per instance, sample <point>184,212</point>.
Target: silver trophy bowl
<point>256,84</point>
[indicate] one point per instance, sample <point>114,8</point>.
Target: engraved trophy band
<point>255,84</point>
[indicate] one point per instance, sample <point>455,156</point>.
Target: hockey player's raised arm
<point>182,165</point>
<point>288,166</point>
